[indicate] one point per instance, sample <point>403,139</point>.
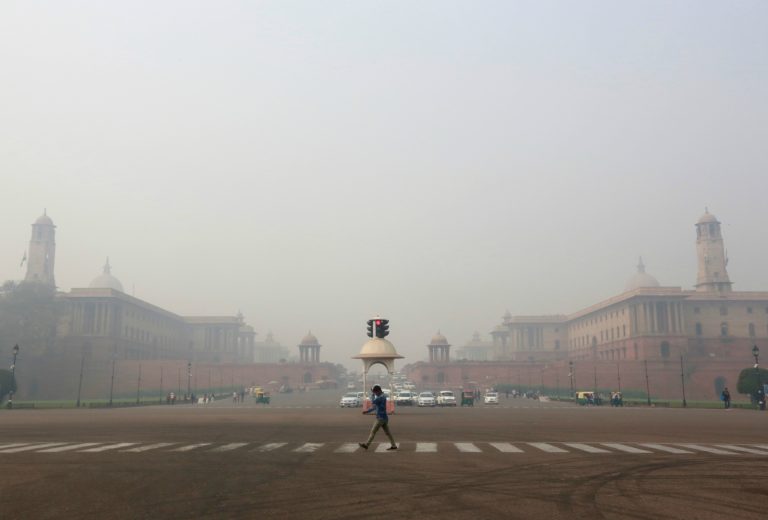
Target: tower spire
<point>712,259</point>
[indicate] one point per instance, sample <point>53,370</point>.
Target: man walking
<point>379,403</point>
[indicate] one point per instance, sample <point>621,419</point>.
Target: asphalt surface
<point>298,458</point>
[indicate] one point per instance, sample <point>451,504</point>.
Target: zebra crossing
<point>604,449</point>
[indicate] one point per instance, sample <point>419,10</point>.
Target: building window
<point>723,310</point>
<point>664,349</point>
<point>699,330</point>
<point>724,329</point>
<point>624,328</point>
<point>751,330</point>
<point>749,310</point>
<point>696,310</point>
<point>557,344</point>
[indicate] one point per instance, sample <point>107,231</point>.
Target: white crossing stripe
<point>467,447</point>
<point>4,446</point>
<point>383,446</point>
<point>349,447</point>
<point>742,448</point>
<point>624,447</point>
<point>108,447</point>
<point>191,447</point>
<point>230,447</point>
<point>543,446</point>
<point>586,447</point>
<point>707,449</point>
<point>69,447</point>
<point>426,447</point>
<point>272,446</point>
<point>668,449</point>
<point>506,447</point>
<point>309,447</point>
<point>33,447</point>
<point>762,446</point>
<point>148,447</point>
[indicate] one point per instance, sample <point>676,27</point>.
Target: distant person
<point>379,403</point>
<point>726,397</point>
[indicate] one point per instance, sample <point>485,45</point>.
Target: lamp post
<point>760,392</point>
<point>647,384</point>
<point>138,387</point>
<point>80,384</point>
<point>682,380</point>
<point>112,384</point>
<point>13,376</point>
<point>570,374</point>
<point>618,375</point>
<point>161,385</point>
<point>557,383</point>
<point>189,380</point>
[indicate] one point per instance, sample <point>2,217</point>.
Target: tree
<point>747,383</point>
<point>7,383</point>
<point>29,314</point>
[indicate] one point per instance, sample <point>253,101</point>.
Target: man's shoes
<point>363,445</point>
<point>392,448</point>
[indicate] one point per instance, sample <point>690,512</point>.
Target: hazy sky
<point>313,163</point>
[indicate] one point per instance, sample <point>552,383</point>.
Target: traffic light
<point>382,328</point>
<point>370,328</point>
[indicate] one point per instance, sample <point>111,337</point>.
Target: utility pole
<point>647,384</point>
<point>80,384</point>
<point>682,380</point>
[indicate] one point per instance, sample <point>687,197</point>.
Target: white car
<point>404,398</point>
<point>491,398</point>
<point>426,399</point>
<point>446,398</point>
<point>350,400</point>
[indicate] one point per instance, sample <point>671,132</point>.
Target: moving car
<point>404,398</point>
<point>491,398</point>
<point>426,399</point>
<point>350,400</point>
<point>446,398</point>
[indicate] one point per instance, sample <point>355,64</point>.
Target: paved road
<point>298,458</point>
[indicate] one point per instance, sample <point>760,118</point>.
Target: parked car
<point>426,399</point>
<point>491,398</point>
<point>404,398</point>
<point>350,400</point>
<point>446,398</point>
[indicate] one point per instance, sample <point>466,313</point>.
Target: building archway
<point>441,377</point>
<point>720,383</point>
<point>664,349</point>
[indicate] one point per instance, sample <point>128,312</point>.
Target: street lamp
<point>760,392</point>
<point>570,374</point>
<point>189,379</point>
<point>13,376</point>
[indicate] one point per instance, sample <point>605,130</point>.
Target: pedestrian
<point>379,403</point>
<point>726,397</point>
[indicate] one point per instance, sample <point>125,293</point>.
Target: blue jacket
<point>380,405</point>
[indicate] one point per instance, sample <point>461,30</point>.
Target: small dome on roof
<point>106,280</point>
<point>378,348</point>
<point>438,339</point>
<point>44,219</point>
<point>641,279</point>
<point>707,217</point>
<point>309,339</point>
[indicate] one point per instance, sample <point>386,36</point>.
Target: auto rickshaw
<point>261,397</point>
<point>467,398</point>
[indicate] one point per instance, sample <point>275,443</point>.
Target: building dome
<point>309,339</point>
<point>641,279</point>
<point>378,348</point>
<point>707,217</point>
<point>438,339</point>
<point>44,219</point>
<point>106,280</point>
